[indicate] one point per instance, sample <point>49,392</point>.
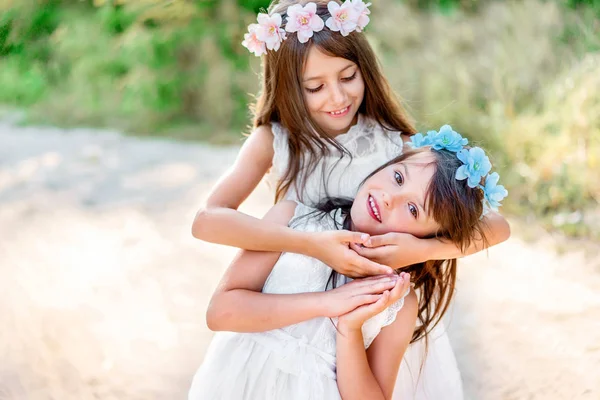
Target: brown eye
<point>399,178</point>
<point>413,210</point>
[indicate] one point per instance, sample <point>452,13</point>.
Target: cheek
<point>314,102</point>
<point>357,89</point>
<point>396,223</point>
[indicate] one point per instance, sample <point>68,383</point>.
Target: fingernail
<point>364,237</point>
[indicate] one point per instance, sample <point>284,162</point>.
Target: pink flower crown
<point>351,16</point>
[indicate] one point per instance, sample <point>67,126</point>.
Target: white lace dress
<point>430,375</point>
<point>297,362</point>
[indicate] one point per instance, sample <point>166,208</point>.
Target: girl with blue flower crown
<point>279,341</point>
<point>326,115</point>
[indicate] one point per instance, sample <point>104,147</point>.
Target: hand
<point>394,249</point>
<point>359,292</point>
<point>333,248</point>
<point>354,320</point>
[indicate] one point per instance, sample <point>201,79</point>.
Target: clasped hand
<point>361,299</point>
<point>356,254</point>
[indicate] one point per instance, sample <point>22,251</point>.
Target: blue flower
<point>419,140</point>
<point>448,139</point>
<point>476,165</point>
<point>493,192</point>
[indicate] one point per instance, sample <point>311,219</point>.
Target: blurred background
<point>117,116</point>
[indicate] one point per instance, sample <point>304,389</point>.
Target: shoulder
<point>411,306</point>
<point>402,315</point>
<point>263,133</point>
<point>257,150</point>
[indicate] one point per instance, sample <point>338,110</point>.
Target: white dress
<point>423,376</point>
<point>297,362</point>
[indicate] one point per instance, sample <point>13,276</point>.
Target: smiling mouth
<point>338,113</point>
<point>373,209</point>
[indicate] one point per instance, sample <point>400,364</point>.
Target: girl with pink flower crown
<point>326,116</point>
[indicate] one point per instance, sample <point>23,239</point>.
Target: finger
<point>361,285</point>
<point>354,274</point>
<point>381,287</point>
<point>356,248</point>
<point>372,278</point>
<point>368,268</point>
<point>366,311</point>
<point>381,240</point>
<point>401,287</point>
<point>361,282</point>
<point>366,299</point>
<point>372,253</point>
<point>354,237</point>
<point>379,305</point>
<point>377,287</point>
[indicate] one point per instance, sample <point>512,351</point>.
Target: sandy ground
<point>103,289</point>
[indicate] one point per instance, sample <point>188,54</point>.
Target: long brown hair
<point>282,97</point>
<point>457,209</point>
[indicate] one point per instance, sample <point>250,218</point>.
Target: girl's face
<point>334,90</point>
<point>393,200</point>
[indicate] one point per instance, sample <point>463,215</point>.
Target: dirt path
<point>103,288</point>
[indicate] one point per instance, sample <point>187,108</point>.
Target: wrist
<point>322,306</point>
<point>438,249</point>
<point>348,330</point>
<point>303,243</point>
<point>429,249</point>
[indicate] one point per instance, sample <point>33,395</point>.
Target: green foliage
<point>592,4</point>
<point>254,5</point>
<point>516,77</point>
<point>116,18</point>
<point>21,83</point>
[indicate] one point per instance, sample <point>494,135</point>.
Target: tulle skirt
<point>264,366</point>
<point>431,375</point>
<point>274,365</point>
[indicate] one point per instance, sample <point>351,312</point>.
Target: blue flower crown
<point>476,165</point>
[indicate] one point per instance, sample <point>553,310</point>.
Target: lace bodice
<point>295,273</point>
<point>368,142</point>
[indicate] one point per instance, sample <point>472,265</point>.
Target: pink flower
<point>252,42</point>
<point>363,13</point>
<point>343,18</point>
<point>270,30</point>
<point>303,20</point>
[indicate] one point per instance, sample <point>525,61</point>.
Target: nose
<point>388,200</point>
<point>338,95</point>
<point>391,199</point>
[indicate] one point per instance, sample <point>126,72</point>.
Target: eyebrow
<point>420,204</point>
<point>312,78</point>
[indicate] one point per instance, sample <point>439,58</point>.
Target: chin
<point>365,224</point>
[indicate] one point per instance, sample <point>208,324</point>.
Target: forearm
<point>233,228</point>
<point>242,310</point>
<point>355,378</point>
<point>496,231</point>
